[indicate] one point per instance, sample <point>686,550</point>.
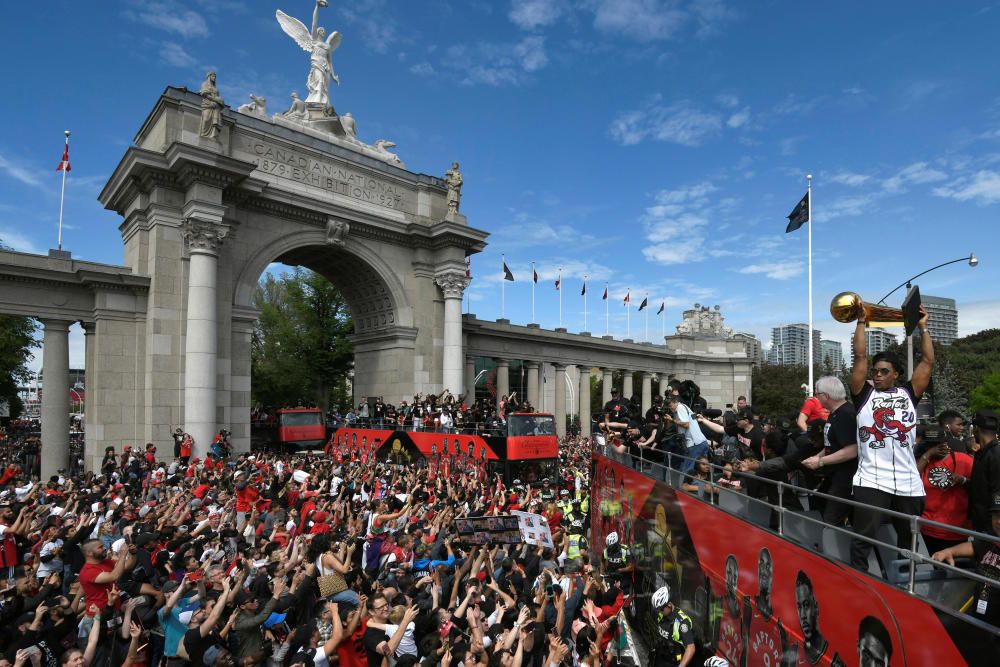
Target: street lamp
<point>971,259</point>
<point>973,262</point>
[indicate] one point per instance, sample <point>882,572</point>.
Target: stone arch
<point>373,291</point>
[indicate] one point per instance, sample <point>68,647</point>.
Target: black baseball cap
<point>987,420</point>
<point>933,435</point>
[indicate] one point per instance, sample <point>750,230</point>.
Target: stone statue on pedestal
<point>256,107</point>
<point>211,108</point>
<point>298,108</point>
<point>453,177</point>
<point>320,49</point>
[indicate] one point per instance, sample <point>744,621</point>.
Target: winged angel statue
<point>320,50</point>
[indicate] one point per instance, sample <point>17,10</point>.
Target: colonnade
<point>535,381</point>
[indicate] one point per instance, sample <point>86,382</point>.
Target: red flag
<point>628,297</point>
<point>64,163</point>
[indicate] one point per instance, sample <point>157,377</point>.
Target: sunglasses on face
<point>879,372</point>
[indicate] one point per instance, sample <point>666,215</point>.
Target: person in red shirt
<point>810,410</point>
<point>100,573</point>
<point>945,474</point>
<point>246,496</point>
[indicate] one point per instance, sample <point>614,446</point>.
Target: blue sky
<point>654,144</point>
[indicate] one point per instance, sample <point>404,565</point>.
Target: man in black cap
<point>984,483</point>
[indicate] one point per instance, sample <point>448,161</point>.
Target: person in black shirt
<point>616,412</point>
<point>749,435</point>
<point>984,483</point>
<point>839,459</point>
<point>201,641</point>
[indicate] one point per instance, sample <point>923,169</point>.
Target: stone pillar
<point>470,380</point>
<point>607,380</point>
<point>452,284</point>
<point>55,397</point>
<point>647,391</point>
<point>664,384</point>
<point>627,385</point>
<point>202,336</point>
<point>503,379</point>
<point>584,393</point>
<point>560,411</point>
<point>532,367</point>
<point>91,447</point>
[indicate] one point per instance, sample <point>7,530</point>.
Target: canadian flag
<point>64,163</point>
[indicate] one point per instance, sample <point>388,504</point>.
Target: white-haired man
<point>839,459</point>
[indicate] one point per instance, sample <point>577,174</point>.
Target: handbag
<point>331,584</point>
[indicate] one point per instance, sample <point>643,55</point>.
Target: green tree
<point>987,394</point>
<point>17,340</point>
<point>299,345</point>
<point>777,389</point>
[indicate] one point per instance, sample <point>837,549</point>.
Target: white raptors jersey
<point>887,433</point>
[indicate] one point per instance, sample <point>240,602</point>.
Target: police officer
<point>576,543</point>
<point>548,493</point>
<point>617,563</point>
<point>574,514</point>
<point>564,504</point>
<point>675,642</point>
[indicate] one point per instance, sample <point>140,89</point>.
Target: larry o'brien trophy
<point>848,307</point>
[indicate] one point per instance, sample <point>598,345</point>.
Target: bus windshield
<point>518,425</point>
<point>301,419</point>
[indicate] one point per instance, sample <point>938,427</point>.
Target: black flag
<point>605,297</point>
<point>507,275</point>
<point>799,215</point>
<point>662,305</point>
<point>645,302</point>
<point>584,290</point>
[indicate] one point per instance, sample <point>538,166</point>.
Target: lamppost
<point>973,262</point>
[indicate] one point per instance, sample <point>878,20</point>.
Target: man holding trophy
<point>887,476</point>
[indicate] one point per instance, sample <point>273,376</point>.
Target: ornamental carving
<point>452,284</point>
<point>202,237</point>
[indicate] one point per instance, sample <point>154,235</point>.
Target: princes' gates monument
<point>209,197</point>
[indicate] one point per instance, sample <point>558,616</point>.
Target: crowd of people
<point>861,443</point>
<point>262,559</point>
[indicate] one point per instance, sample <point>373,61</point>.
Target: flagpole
<point>628,314</point>
<point>533,293</point>
<point>663,326</point>
<point>584,302</point>
<point>560,298</point>
<point>607,310</point>
<point>809,190</point>
<point>503,279</point>
<point>646,339</point>
<point>62,194</point>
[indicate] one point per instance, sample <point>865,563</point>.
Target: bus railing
<point>911,558</point>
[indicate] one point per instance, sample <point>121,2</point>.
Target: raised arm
<point>859,373</point>
<point>921,377</point>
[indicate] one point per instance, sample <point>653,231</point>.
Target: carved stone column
<point>647,391</point>
<point>532,367</point>
<point>607,380</point>
<point>91,450</point>
<point>55,397</point>
<point>560,411</point>
<point>584,400</point>
<point>503,379</point>
<point>452,285</point>
<point>203,241</point>
<point>664,384</point>
<point>470,380</point>
<point>627,385</point>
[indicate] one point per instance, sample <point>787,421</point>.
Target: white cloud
<point>977,316</point>
<point>20,172</point>
<point>170,17</point>
<point>674,223</point>
<point>852,206</point>
<point>174,54</point>
<point>918,173</point>
<point>423,69</point>
<point>983,187</point>
<point>739,119</point>
<point>679,123</point>
<point>642,20</point>
<point>797,105</point>
<point>531,14</point>
<point>710,14</point>
<point>775,270</point>
<point>376,27</point>
<point>19,241</point>
<point>497,64</point>
<point>849,178</point>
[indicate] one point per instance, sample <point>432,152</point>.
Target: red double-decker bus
<point>299,429</point>
<point>529,451</point>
